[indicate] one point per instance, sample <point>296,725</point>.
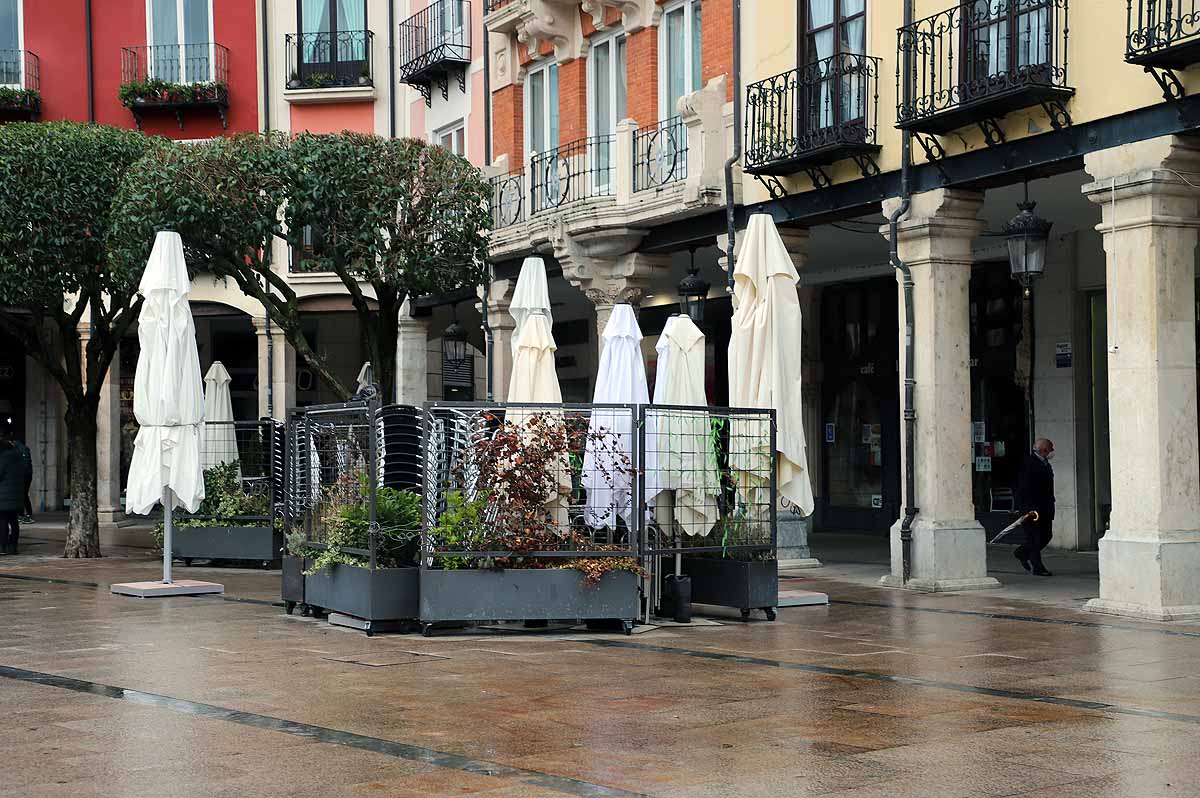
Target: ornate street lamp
<point>693,292</point>
<point>1027,235</point>
<point>454,342</point>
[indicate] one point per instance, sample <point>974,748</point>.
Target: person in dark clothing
<point>1035,493</point>
<point>27,459</point>
<point>13,470</point>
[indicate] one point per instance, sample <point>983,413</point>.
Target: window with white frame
<point>453,137</point>
<point>541,108</point>
<point>606,101</point>
<point>180,36</point>
<point>680,54</point>
<point>11,36</point>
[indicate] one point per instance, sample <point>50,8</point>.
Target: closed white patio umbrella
<point>220,438</point>
<point>366,376</point>
<point>169,406</point>
<point>535,381</point>
<point>687,461</point>
<point>764,366</point>
<point>608,455</point>
<point>531,295</point>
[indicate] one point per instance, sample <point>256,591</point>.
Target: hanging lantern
<point>454,344</point>
<point>693,292</point>
<point>1028,235</point>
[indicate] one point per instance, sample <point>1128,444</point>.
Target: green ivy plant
<point>347,525</point>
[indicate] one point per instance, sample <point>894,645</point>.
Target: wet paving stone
<point>881,693</point>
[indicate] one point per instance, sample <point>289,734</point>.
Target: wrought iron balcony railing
<point>20,84</point>
<point>1162,33</point>
<point>325,59</point>
<point>175,77</point>
<point>508,199</point>
<point>979,60</point>
<point>495,5</point>
<point>575,171</point>
<point>660,154</point>
<point>813,116</point>
<point>434,44</point>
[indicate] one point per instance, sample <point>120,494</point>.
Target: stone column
<point>603,266</point>
<point>1150,557</point>
<point>43,409</point>
<point>949,548</point>
<point>792,534</point>
<point>412,358</point>
<point>499,298</point>
<point>283,381</point>
<point>108,448</point>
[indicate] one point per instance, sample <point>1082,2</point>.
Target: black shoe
<point>1023,560</point>
<point>1041,572</point>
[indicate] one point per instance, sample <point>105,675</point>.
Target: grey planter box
<point>519,594</point>
<point>385,594</point>
<point>261,543</point>
<point>292,587</point>
<point>739,584</point>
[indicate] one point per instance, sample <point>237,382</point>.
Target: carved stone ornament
<point>557,24</point>
<point>635,14</point>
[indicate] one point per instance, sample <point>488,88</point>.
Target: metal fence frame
<point>434,493</point>
<point>270,482</point>
<point>569,173</point>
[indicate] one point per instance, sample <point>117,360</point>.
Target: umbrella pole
<point>167,528</point>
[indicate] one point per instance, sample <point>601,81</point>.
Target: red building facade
<point>211,44</point>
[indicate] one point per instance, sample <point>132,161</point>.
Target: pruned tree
<point>59,273</point>
<point>392,218</point>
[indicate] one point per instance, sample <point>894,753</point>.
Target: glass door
<point>833,78</point>
<point>180,41</point>
<point>608,106</point>
<point>541,126</point>
<point>680,46</point>
<point>333,42</point>
<point>11,61</point>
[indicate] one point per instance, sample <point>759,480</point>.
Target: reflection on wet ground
<point>881,693</point>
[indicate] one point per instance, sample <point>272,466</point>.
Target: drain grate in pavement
<point>385,659</point>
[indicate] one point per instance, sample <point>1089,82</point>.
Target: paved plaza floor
<point>881,693</point>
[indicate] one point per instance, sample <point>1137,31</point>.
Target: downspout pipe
<point>489,338</point>
<point>391,68</point>
<point>91,89</point>
<point>910,383</point>
<point>730,211</point>
<point>266,82</point>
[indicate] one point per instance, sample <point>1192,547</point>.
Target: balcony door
<point>450,28</point>
<point>1003,38</point>
<point>606,106</point>
<point>832,68</point>
<point>680,55</point>
<point>541,135</point>
<point>333,41</point>
<point>12,60</point>
<point>181,41</point>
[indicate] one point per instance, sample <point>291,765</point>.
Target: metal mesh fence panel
<point>528,486</point>
<point>239,473</point>
<point>709,480</point>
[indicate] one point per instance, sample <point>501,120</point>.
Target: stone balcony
<point>616,187</point>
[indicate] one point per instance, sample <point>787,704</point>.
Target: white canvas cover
<point>608,456</point>
<point>220,439</point>
<point>530,295</point>
<point>535,381</point>
<point>764,364</point>
<point>366,376</point>
<point>167,398</point>
<point>686,460</point>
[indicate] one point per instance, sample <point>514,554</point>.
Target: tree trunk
<point>83,530</point>
<point>383,351</point>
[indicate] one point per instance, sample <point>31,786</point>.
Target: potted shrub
<point>293,565</point>
<point>364,76</point>
<point>514,469</point>
<point>321,80</point>
<point>294,81</point>
<point>230,524</point>
<point>338,577</point>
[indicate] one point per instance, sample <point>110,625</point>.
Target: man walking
<point>1035,493</point>
<point>12,493</point>
<point>27,460</point>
